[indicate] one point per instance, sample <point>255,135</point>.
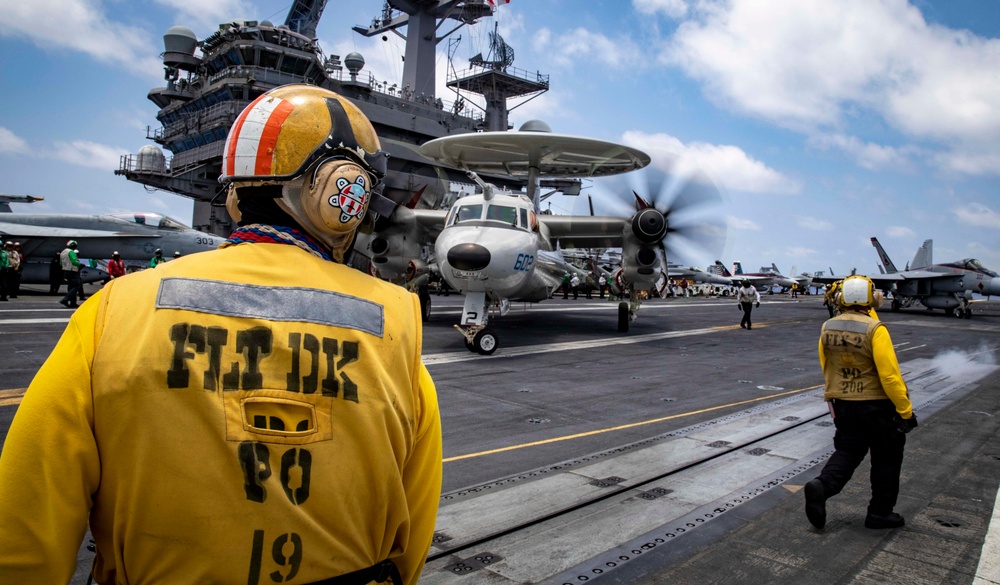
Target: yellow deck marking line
<point>627,426</point>
<point>12,396</point>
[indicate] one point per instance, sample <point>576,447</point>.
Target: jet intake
<point>468,257</point>
<point>649,226</point>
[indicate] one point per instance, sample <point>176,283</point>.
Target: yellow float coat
<point>217,431</point>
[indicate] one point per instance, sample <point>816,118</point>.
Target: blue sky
<point>824,122</point>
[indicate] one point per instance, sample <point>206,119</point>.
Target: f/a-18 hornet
<point>946,286</point>
<point>135,236</point>
<point>496,247</point>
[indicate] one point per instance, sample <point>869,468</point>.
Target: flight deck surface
<point>675,452</point>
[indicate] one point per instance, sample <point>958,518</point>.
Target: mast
<point>304,15</point>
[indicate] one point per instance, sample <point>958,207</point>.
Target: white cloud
<point>727,164</point>
<point>89,154</point>
<point>671,8</point>
<point>801,252</point>
<point>978,214</point>
<point>813,65</point>
<point>12,143</point>
<point>739,223</point>
<point>969,163</point>
<point>583,46</point>
<point>199,12</point>
<point>899,232</point>
<point>813,223</point>
<point>866,154</point>
<point>81,25</point>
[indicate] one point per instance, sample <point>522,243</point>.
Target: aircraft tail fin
<point>6,200</point>
<point>775,269</point>
<point>924,256</point>
<point>719,268</point>
<point>889,266</point>
<point>737,268</point>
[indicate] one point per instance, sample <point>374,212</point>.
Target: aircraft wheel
<point>967,314</point>
<point>895,306</point>
<point>425,306</point>
<point>486,342</point>
<point>469,346</point>
<point>622,317</point>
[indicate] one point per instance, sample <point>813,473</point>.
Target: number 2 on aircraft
<point>524,262</point>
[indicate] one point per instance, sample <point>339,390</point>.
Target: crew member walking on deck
<point>70,264</point>
<point>746,296</point>
<point>258,413</point>
<point>869,403</point>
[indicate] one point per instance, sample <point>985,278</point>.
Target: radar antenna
<point>502,54</point>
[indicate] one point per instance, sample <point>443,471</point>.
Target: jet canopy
<point>976,265</point>
<point>154,220</point>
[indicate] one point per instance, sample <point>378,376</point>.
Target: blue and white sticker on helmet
<point>351,197</point>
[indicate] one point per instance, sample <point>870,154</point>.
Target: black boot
<point>816,503</point>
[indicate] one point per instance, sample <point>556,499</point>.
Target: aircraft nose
<point>468,257</point>
<point>993,288</point>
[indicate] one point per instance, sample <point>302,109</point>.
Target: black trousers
<point>74,285</point>
<point>747,307</point>
<point>863,426</point>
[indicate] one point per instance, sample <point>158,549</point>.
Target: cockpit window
<point>973,264</point>
<point>502,213</point>
<point>152,220</point>
<point>468,213</point>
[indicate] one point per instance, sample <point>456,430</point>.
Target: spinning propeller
<point>679,212</point>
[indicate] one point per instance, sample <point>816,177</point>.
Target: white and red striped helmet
<point>291,129</point>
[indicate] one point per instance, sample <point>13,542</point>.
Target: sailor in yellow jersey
<point>869,403</point>
<point>255,414</point>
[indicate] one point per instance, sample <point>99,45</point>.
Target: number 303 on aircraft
<point>524,262</point>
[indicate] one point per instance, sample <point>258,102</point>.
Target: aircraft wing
<point>37,231</point>
<point>584,231</point>
<point>430,222</point>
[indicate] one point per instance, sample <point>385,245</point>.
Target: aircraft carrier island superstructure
<point>205,93</point>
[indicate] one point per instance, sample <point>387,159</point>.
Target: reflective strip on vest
<point>271,303</point>
<point>852,326</point>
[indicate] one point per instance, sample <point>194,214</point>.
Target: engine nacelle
<point>649,226</point>
<point>641,259</point>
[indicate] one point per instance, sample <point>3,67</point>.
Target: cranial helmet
<point>315,154</point>
<point>746,282</point>
<point>859,291</point>
<point>158,252</point>
<point>71,244</point>
<point>115,254</point>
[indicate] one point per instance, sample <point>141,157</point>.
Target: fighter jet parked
<point>765,280</point>
<point>936,286</point>
<point>135,236</point>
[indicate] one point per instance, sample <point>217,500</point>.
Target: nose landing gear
<point>479,339</point>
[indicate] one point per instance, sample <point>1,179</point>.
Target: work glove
<point>758,304</point>
<point>905,425</point>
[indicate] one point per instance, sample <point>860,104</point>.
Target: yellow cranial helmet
<point>320,149</point>
<point>859,291</point>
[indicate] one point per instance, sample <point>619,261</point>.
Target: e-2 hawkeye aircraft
<point>135,236</point>
<point>496,247</point>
